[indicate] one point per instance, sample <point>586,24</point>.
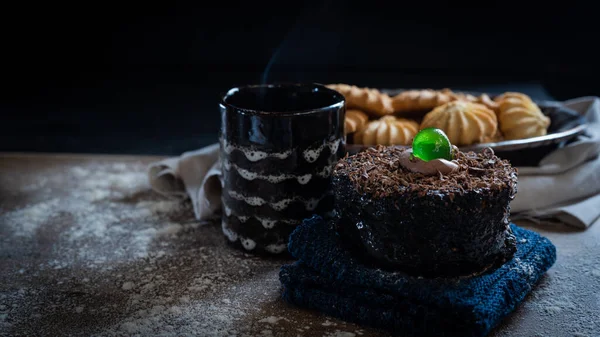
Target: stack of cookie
<point>375,118</point>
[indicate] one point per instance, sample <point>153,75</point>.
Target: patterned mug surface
<point>278,147</point>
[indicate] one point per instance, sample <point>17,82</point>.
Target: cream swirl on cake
<point>432,167</point>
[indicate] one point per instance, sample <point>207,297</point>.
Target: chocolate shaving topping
<point>476,171</point>
<point>376,171</point>
<point>487,152</point>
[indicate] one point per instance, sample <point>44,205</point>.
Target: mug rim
<point>340,99</point>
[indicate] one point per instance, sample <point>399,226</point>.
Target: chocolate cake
<point>446,225</point>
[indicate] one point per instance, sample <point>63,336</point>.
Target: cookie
<point>488,102</point>
<point>369,100</point>
<point>419,101</point>
<point>520,117</point>
<point>481,99</point>
<point>387,130</point>
<point>459,96</point>
<point>355,120</point>
<point>464,123</point>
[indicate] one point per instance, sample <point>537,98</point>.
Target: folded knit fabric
<point>327,278</point>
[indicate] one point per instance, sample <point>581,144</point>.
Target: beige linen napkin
<point>566,183</point>
<point>195,175</point>
<point>565,186</point>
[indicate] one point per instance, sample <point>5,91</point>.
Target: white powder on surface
<point>128,286</point>
<point>339,333</point>
<point>106,216</point>
<point>270,320</point>
<point>125,261</point>
<point>35,184</point>
<point>567,295</point>
<point>27,220</point>
<point>595,272</point>
<point>524,268</point>
<point>156,309</point>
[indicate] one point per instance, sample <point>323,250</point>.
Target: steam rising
<point>308,42</point>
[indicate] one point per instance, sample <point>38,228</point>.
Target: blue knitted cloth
<point>326,278</point>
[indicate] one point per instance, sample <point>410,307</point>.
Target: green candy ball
<point>432,143</point>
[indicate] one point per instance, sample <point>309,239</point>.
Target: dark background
<point>146,78</point>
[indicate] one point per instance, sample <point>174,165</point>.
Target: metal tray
<point>565,126</point>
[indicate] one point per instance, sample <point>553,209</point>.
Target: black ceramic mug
<point>278,147</point>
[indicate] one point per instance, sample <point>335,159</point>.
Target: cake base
<point>462,267</point>
<point>427,235</point>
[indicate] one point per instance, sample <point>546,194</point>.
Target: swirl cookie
<point>464,123</point>
<point>369,100</point>
<point>412,101</point>
<point>481,99</point>
<point>520,117</point>
<point>387,130</point>
<point>488,102</point>
<point>459,96</point>
<point>355,120</point>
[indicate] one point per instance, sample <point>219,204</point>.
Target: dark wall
<point>146,78</point>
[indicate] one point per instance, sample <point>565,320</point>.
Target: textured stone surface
<point>87,249</point>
